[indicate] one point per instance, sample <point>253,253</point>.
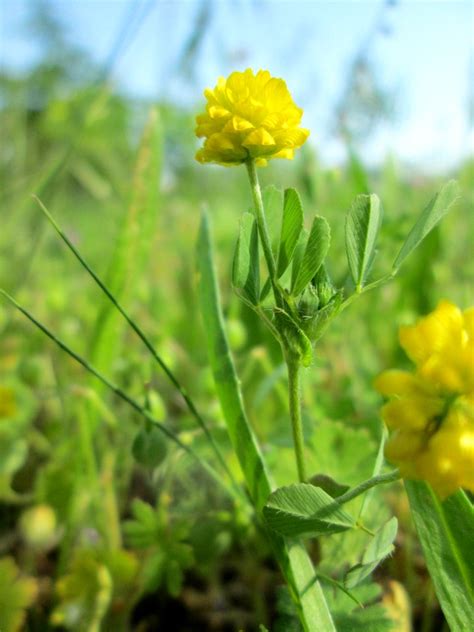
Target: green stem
<point>295,415</point>
<point>381,479</point>
<point>366,288</point>
<point>261,221</point>
<point>292,363</point>
<point>340,585</point>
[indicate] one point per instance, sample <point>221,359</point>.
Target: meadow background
<point>97,111</point>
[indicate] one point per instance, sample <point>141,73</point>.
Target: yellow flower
<point>431,411</point>
<point>249,116</point>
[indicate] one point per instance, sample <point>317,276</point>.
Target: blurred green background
<point>109,149</point>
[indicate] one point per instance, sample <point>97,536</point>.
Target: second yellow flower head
<point>431,411</point>
<point>249,116</point>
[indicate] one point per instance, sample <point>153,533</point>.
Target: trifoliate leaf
<point>305,510</point>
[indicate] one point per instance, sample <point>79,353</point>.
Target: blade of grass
<point>294,561</point>
<point>445,533</point>
<point>118,391</point>
<point>167,371</point>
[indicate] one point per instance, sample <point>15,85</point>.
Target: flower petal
<point>432,333</point>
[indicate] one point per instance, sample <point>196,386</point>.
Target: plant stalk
<point>295,415</point>
<point>292,363</point>
<point>261,221</point>
<point>381,479</point>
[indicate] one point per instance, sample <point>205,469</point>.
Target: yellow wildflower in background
<point>431,411</point>
<point>249,116</point>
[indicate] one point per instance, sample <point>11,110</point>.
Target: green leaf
<point>323,317</point>
<point>314,254</point>
<point>17,594</point>
<point>445,531</point>
<point>291,227</point>
<point>142,532</point>
<point>379,548</point>
<point>342,451</point>
<point>362,227</point>
<point>238,426</point>
<point>272,203</point>
<point>292,557</point>
<point>174,578</point>
<point>305,510</point>
<point>382,543</point>
<point>246,268</point>
<point>298,255</point>
<point>373,617</point>
<point>437,208</point>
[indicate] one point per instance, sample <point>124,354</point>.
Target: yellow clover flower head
<point>249,116</point>
<point>431,411</point>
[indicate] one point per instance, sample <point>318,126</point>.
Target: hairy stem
<point>261,221</point>
<point>295,415</point>
<point>381,479</point>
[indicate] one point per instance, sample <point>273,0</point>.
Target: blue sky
<point>426,61</point>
